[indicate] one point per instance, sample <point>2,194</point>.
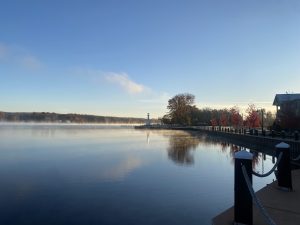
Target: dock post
<point>243,211</point>
<point>284,177</point>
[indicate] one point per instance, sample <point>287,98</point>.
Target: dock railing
<point>255,140</point>
<point>244,194</point>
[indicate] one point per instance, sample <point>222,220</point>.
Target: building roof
<point>280,98</point>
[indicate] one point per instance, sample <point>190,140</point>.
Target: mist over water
<point>67,174</point>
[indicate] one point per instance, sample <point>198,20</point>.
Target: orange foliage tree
<point>252,119</point>
<point>235,117</point>
<point>214,122</point>
<point>224,118</point>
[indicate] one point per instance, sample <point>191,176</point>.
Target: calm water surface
<point>83,175</point>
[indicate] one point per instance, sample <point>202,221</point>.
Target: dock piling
<point>284,177</point>
<point>243,210</point>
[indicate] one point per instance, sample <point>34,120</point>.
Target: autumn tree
<point>2,115</point>
<point>235,117</point>
<point>224,118</point>
<point>215,118</point>
<point>180,107</point>
<point>252,119</point>
<point>214,122</point>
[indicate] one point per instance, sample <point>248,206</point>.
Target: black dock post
<point>284,177</point>
<point>243,211</point>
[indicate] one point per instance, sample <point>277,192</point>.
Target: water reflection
<point>181,147</point>
<point>122,169</point>
<point>73,175</point>
<point>148,137</point>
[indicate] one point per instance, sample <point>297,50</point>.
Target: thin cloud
<point>3,51</point>
<point>31,62</point>
<point>16,55</point>
<point>123,80</point>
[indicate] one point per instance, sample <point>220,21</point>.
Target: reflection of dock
<point>282,206</point>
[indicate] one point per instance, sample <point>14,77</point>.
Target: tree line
<point>182,111</point>
<point>65,118</point>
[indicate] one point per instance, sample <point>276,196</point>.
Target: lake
<point>92,174</point>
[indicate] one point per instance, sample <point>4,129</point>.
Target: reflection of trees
<point>182,142</point>
<point>235,148</point>
<point>180,146</point>
<point>256,159</point>
<point>229,148</point>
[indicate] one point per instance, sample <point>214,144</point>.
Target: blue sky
<point>127,58</point>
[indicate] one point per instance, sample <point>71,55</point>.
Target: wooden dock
<point>282,206</point>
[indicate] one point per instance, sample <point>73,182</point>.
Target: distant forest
<point>65,118</point>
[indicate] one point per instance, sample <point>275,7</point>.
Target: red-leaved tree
<point>224,118</point>
<point>214,122</point>
<point>235,117</point>
<point>252,119</point>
